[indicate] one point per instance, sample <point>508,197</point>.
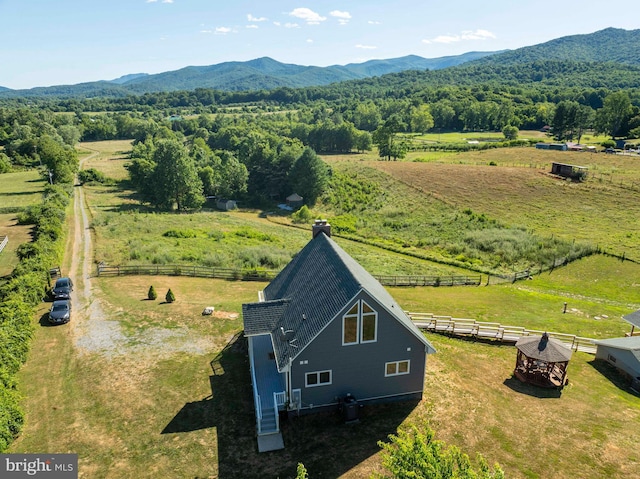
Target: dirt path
<point>92,329</point>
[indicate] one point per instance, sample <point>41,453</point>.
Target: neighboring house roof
<point>308,294</point>
<point>633,318</point>
<point>294,197</point>
<point>544,348</point>
<point>631,343</point>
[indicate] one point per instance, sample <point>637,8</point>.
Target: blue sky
<point>56,42</point>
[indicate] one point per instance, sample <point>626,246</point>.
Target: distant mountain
<point>129,77</point>
<point>608,45</point>
<point>259,74</point>
<point>2,88</point>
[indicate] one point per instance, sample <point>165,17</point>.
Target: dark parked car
<point>610,150</point>
<point>60,312</point>
<point>62,289</point>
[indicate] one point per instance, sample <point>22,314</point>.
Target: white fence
<point>3,242</point>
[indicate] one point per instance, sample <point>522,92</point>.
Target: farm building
<point>568,171</point>
<point>295,200</point>
<point>226,205</point>
<point>552,146</point>
<point>542,361</point>
<point>624,354</point>
<point>326,334</point>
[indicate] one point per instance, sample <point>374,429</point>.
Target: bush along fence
<point>20,293</point>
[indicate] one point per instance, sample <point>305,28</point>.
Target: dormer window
<point>360,324</point>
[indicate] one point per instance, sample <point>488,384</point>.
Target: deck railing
<point>496,331</point>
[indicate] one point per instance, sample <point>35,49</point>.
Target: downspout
<point>288,385</point>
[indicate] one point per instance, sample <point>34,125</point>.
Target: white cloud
<point>222,30</point>
<point>309,40</point>
<point>206,31</point>
<point>251,26</point>
<point>374,22</point>
<point>152,1</point>
<point>343,17</point>
<point>251,18</point>
<point>464,36</point>
<point>167,1</point>
<point>277,24</point>
<point>366,47</point>
<point>308,15</point>
<point>291,25</point>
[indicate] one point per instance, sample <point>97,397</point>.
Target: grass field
<point>17,191</point>
<point>158,390</point>
<point>599,213</point>
<point>146,389</point>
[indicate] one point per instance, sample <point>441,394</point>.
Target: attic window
<point>360,324</point>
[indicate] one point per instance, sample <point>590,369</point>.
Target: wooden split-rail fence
<point>493,331</point>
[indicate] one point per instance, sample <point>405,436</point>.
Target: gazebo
<point>542,361</point>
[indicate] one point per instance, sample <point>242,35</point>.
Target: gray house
<point>624,354</point>
<point>325,332</point>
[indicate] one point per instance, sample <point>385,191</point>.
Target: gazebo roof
<point>544,348</point>
<point>294,197</point>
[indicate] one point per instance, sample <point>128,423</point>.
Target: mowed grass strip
<point>17,191</point>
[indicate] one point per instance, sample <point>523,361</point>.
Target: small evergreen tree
<point>170,297</point>
<point>152,295</point>
<point>301,472</point>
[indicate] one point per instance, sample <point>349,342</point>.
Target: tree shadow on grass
<point>531,390</point>
<point>322,442</point>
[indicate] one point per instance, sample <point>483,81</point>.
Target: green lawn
<point>146,389</point>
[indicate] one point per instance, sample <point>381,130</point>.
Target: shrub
<point>170,297</point>
<point>91,175</point>
<point>303,215</point>
<point>152,295</point>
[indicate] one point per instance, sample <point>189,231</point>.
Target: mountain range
<point>609,45</point>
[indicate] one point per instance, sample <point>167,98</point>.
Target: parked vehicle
<point>62,289</point>
<point>610,150</point>
<point>60,312</point>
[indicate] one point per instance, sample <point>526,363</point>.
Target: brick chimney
<point>321,226</point>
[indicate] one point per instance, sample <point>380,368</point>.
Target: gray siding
<point>625,359</point>
<point>360,369</point>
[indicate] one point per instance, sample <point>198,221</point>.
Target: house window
<point>360,324</point>
<point>317,378</point>
<point>396,368</point>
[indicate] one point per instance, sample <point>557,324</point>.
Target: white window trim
<point>360,323</point>
<point>397,364</point>
<point>306,378</point>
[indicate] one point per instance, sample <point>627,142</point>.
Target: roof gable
<point>317,284</point>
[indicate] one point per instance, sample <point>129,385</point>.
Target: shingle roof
<point>546,349</point>
<point>309,292</point>
<point>261,318</point>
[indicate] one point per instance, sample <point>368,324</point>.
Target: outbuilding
<point>624,355</point>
